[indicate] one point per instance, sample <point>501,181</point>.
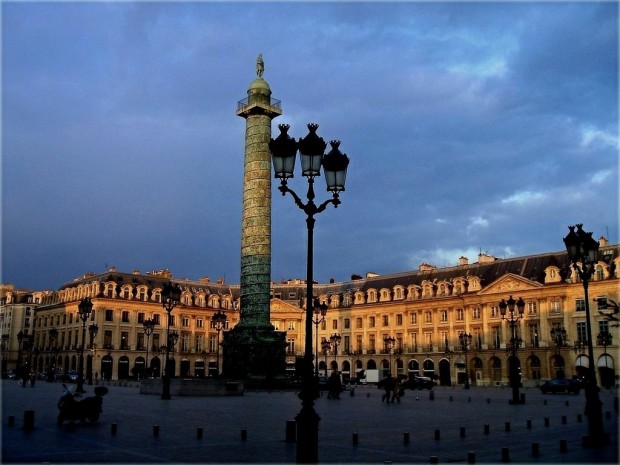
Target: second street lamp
<point>558,336</point>
<point>465,341</point>
<point>320,310</point>
<point>335,341</point>
<point>219,323</point>
<point>515,342</point>
<point>283,152</point>
<point>93,329</point>
<point>170,297</point>
<point>51,371</point>
<point>84,310</point>
<point>388,341</point>
<point>582,252</point>
<point>149,327</point>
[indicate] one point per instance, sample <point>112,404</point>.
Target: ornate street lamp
<point>312,147</point>
<point>53,333</point>
<point>583,253</point>
<point>219,323</point>
<point>388,342</point>
<point>515,342</point>
<point>85,308</point>
<point>327,347</point>
<point>92,331</point>
<point>320,310</point>
<point>170,297</point>
<point>465,341</point>
<point>558,336</point>
<point>335,341</point>
<point>149,327</point>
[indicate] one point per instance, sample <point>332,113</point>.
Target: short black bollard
<point>488,401</point>
<point>563,419</point>
<point>535,449</point>
<point>450,398</point>
<point>462,431</point>
<point>486,429</point>
<point>156,431</point>
<point>431,395</point>
<point>469,399</point>
<point>545,402</point>
<point>522,398</point>
<point>406,438</point>
<point>471,457</point>
<point>199,432</point>
<point>28,420</point>
<point>437,435</point>
<point>113,428</point>
<point>566,403</point>
<point>546,421</point>
<point>355,439</point>
<point>291,431</point>
<point>505,454</point>
<point>529,424</point>
<point>507,426</point>
<point>579,418</point>
<point>433,459</point>
<point>563,445</point>
<point>244,434</point>
<point>11,420</point>
<point>352,393</point>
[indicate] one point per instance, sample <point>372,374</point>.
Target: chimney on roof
<point>205,279</point>
<point>426,267</point>
<point>355,277</point>
<point>136,272</point>
<point>486,258</point>
<point>220,280</point>
<point>332,280</point>
<point>463,261</point>
<point>603,241</point>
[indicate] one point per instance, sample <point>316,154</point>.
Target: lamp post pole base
<point>307,435</point>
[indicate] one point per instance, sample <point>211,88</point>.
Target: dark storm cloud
<point>470,127</point>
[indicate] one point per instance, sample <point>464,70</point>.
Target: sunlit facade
<point>424,311</point>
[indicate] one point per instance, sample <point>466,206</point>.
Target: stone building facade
<point>424,311</point>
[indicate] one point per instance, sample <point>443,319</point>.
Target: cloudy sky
<point>470,127</point>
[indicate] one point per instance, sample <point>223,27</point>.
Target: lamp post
<point>388,341</point>
<point>320,310</point>
<point>53,334</point>
<point>583,253</point>
<point>335,341</point>
<point>465,341</point>
<point>219,323</point>
<point>170,297</point>
<point>312,147</point>
<point>326,346</point>
<point>21,336</point>
<point>149,327</point>
<point>85,308</point>
<point>92,331</point>
<point>558,336</point>
<point>515,341</point>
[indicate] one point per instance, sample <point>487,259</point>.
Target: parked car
<point>566,385</point>
<point>9,374</point>
<point>419,382</point>
<point>71,376</point>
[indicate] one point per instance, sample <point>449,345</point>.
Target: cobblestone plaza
<point>450,424</point>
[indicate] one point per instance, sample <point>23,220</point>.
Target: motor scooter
<point>87,409</point>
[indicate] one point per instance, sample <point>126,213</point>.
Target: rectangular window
<point>428,339</point>
<point>185,343</point>
<point>496,337</point>
<point>386,320</point>
<point>291,326</point>
<point>601,303</point>
<point>459,314</point>
<point>199,342</point>
<point>531,308</point>
<point>125,316</point>
<point>172,319</point>
<point>413,318</point>
<point>107,339</point>
<point>124,340</point>
<point>199,323</point>
<point>399,320</point>
<point>555,306</point>
<point>290,346</point>
<point>212,343</point>
<point>443,316</point>
<point>534,335</point>
<point>581,332</point>
<point>358,343</point>
<point>347,323</point>
<point>428,317</point>
<point>476,313</point>
<point>495,311</point>
<point>347,344</point>
<point>334,324</point>
<point>371,322</point>
<point>359,323</point>
<point>292,296</point>
<point>580,305</point>
<point>185,321</point>
<point>156,344</point>
<point>414,342</point>
<point>323,325</point>
<point>372,344</point>
<point>140,318</point>
<point>109,314</point>
<point>156,318</point>
<point>140,342</point>
<point>603,326</point>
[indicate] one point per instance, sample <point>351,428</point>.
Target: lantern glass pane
<point>311,165</point>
